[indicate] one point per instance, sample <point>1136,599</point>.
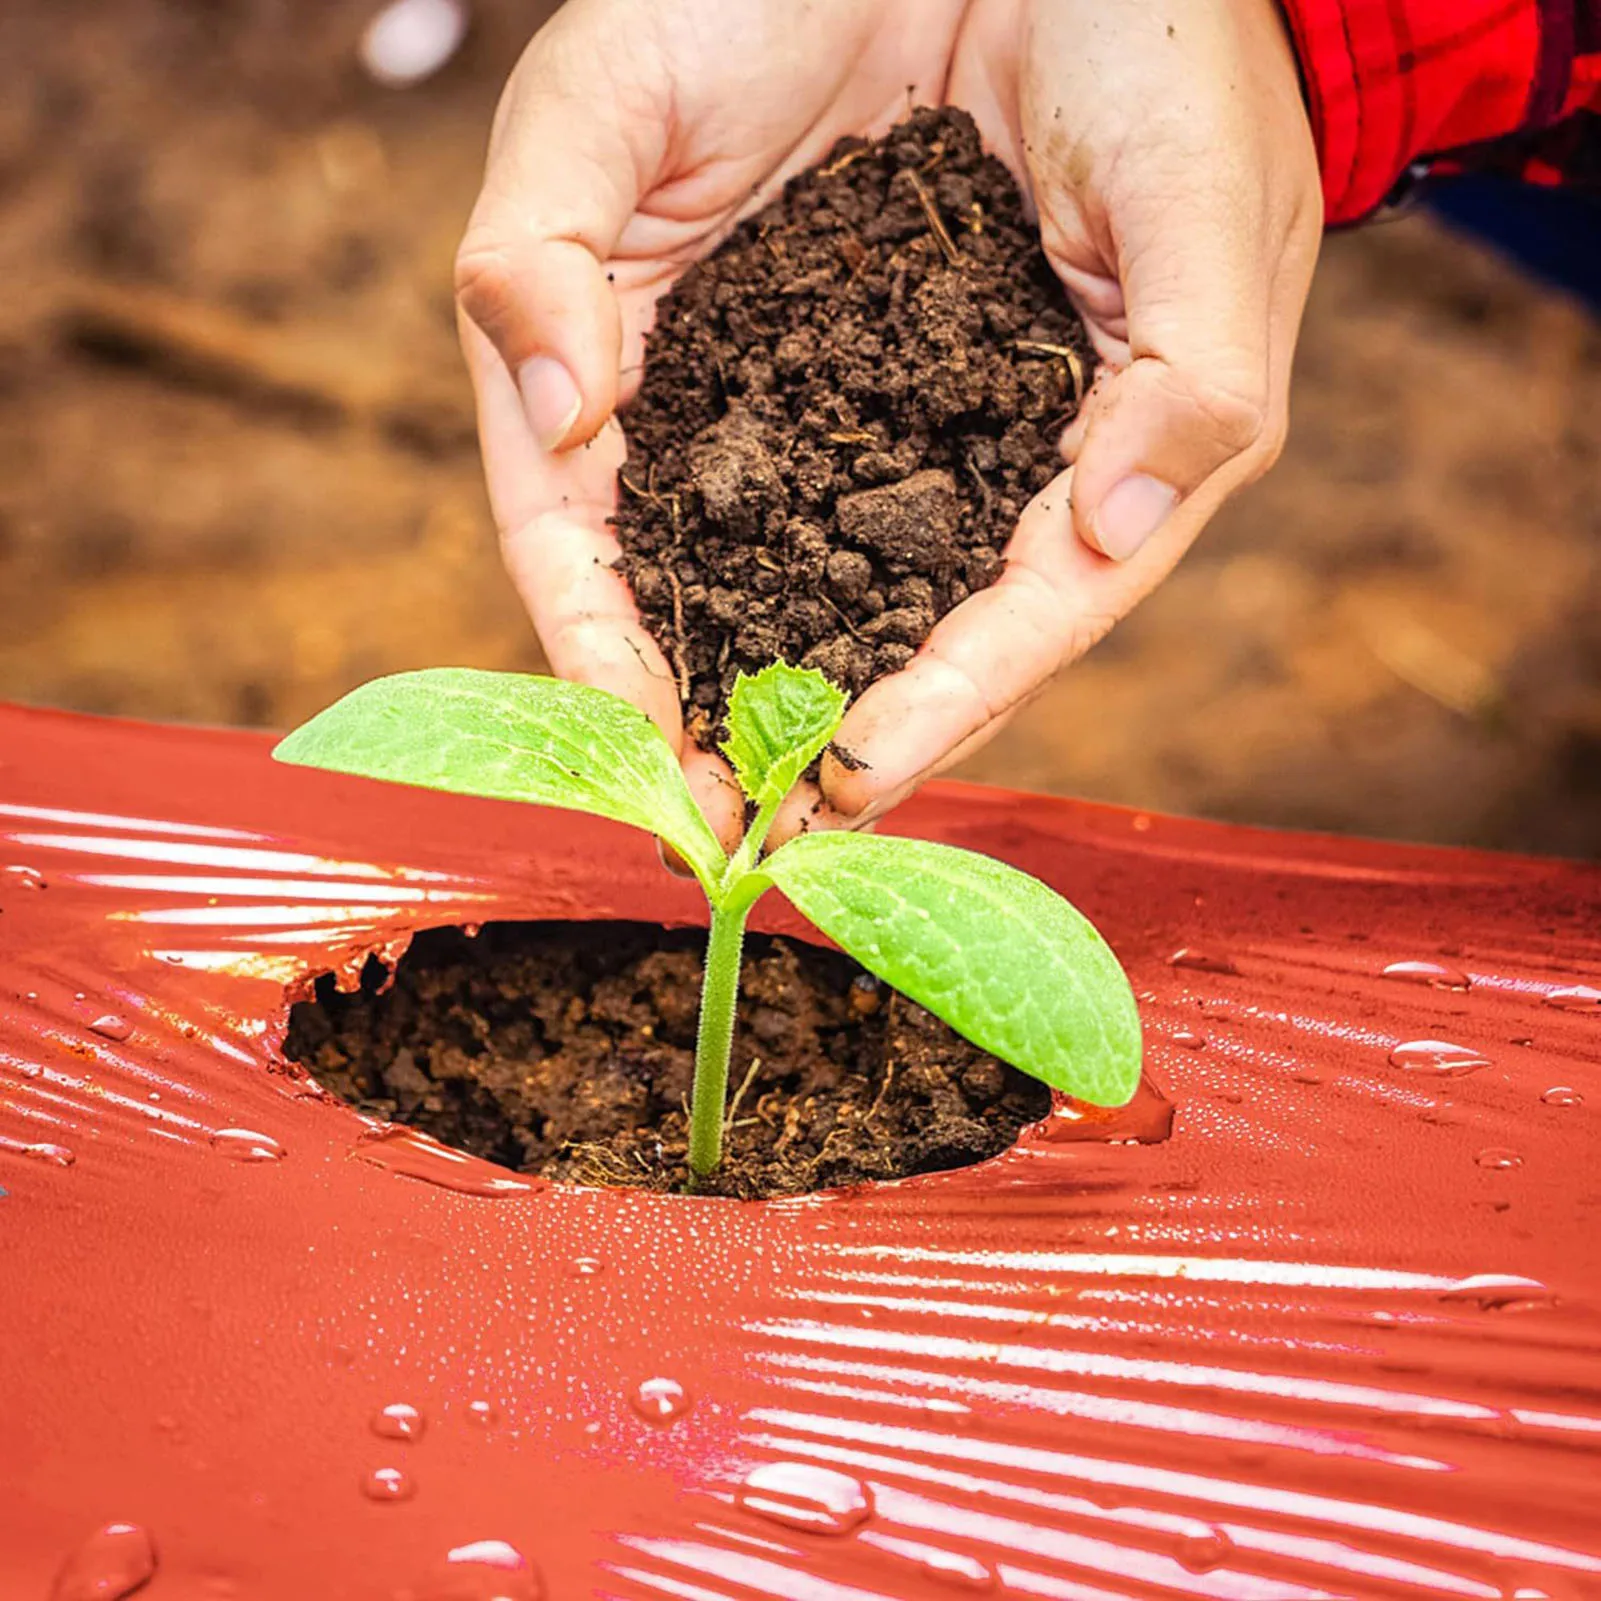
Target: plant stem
<point>719,992</point>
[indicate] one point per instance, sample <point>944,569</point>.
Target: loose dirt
<point>567,1050</point>
<point>844,408</point>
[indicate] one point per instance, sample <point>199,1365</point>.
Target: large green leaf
<point>512,736</point>
<point>778,723</point>
<point>1002,958</point>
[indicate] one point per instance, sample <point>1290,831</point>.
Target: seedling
<point>999,956</point>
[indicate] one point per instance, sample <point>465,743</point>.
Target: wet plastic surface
<point>1337,1334</point>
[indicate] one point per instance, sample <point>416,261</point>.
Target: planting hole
<point>567,1050</point>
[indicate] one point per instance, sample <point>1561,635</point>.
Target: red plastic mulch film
<point>1337,1334</point>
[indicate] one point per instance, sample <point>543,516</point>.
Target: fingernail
<point>1130,512</point>
<point>550,398</point>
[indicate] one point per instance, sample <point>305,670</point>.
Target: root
<point>1075,363</point>
<point>936,223</point>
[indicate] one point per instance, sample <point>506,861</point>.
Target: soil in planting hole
<point>567,1050</point>
<point>843,410</point>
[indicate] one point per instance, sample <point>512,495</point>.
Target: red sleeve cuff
<point>1389,81</point>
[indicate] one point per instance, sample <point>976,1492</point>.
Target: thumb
<point>560,184</point>
<point>1201,396</point>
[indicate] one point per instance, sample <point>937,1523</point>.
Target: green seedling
<point>999,956</point>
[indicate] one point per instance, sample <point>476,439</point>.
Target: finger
<point>575,137</point>
<point>559,548</point>
<point>1203,215</point>
<point>1203,406</point>
<point>805,811</point>
<point>717,793</point>
<point>1196,396</point>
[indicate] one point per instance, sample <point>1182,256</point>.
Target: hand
<point>633,135</point>
<point>1171,162</point>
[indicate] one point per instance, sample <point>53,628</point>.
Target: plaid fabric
<point>1398,88</point>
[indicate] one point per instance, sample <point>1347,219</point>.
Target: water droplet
<point>484,1413</point>
<point>419,1156</point>
<point>485,1570</point>
<point>660,1400</point>
<point>1187,1039</point>
<point>587,1267</point>
<point>397,1421</point>
<point>388,1484</point>
<point>113,1562</point>
<point>245,1145</point>
<point>1200,1553</point>
<point>959,1569</point>
<point>1202,961</point>
<point>1439,1057</point>
<point>1562,1095</point>
<point>55,1155</point>
<point>1499,1157</point>
<point>1580,998</point>
<point>1434,974</point>
<point>111,1026</point>
<point>1494,1292</point>
<point>1145,1120</point>
<point>800,1496</point>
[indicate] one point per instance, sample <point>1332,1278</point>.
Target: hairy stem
<point>718,995</point>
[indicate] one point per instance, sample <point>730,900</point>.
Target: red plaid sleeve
<point>1392,84</point>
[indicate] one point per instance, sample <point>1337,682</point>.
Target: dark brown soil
<point>844,409</point>
<point>567,1050</point>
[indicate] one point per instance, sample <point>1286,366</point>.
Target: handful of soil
<point>844,409</point>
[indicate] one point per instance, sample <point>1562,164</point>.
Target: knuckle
<point>1236,417</point>
<point>1270,446</point>
<point>483,282</point>
<point>1084,634</point>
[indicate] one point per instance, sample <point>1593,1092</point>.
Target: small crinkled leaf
<point>512,736</point>
<point>778,723</point>
<point>998,955</point>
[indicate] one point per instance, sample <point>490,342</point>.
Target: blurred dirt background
<point>238,474</point>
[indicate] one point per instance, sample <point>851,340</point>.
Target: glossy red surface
<point>1337,1334</point>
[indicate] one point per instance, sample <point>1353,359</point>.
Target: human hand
<point>632,135</point>
<point>1169,156</point>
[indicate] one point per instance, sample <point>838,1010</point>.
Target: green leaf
<point>778,723</point>
<point>1001,957</point>
<point>511,736</point>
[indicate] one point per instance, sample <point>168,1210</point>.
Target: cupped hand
<point>1167,152</point>
<point>631,137</point>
